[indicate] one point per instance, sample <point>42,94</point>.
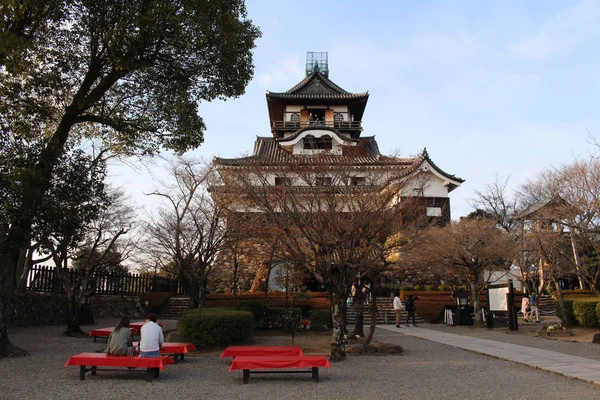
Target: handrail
<point>344,125</point>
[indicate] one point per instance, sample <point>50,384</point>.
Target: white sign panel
<point>497,299</point>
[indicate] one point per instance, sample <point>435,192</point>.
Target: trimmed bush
<point>216,326</point>
<point>259,310</point>
<point>319,319</point>
<point>444,288</point>
<point>281,317</point>
<point>598,312</point>
<point>584,311</point>
<point>406,288</point>
<point>431,288</point>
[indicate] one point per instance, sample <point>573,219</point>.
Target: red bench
<point>278,364</point>
<point>236,351</point>
<point>177,349</point>
<point>94,360</point>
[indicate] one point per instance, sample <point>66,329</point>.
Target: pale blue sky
<point>505,87</point>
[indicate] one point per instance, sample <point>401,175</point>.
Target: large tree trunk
<point>195,294</point>
<point>477,319</point>
<point>338,341</point>
<point>359,309</point>
<point>73,328</point>
<point>562,311</point>
<point>7,285</point>
<point>373,316</point>
<point>19,233</point>
<point>203,293</point>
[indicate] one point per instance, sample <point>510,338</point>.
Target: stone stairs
<point>547,305</point>
<point>175,306</point>
<point>385,313</point>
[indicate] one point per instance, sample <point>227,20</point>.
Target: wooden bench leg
<point>94,370</point>
<point>82,372</point>
<point>246,375</point>
<point>94,339</point>
<point>149,374</point>
<point>181,356</point>
<point>315,373</point>
<point>156,372</point>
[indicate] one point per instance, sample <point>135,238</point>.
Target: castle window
<point>283,181</point>
<point>323,181</point>
<point>317,143</point>
<point>358,181</point>
<point>434,211</point>
<point>338,119</point>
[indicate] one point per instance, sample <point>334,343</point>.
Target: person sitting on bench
<point>120,340</point>
<point>151,337</point>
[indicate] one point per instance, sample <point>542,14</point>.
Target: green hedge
<point>320,319</point>
<point>584,311</point>
<point>216,326</point>
<point>281,317</point>
<point>259,310</point>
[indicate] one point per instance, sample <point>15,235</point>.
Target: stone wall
<point>35,309</point>
<point>113,306</point>
<point>40,309</point>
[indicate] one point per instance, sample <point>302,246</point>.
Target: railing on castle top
<point>43,278</point>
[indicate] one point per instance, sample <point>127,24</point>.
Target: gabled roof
<point>552,205</point>
<point>316,86</point>
<point>424,156</point>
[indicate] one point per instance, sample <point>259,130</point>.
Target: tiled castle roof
<point>316,86</point>
<point>268,152</point>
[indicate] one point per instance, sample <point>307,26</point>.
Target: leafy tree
<point>128,73</point>
<point>81,225</point>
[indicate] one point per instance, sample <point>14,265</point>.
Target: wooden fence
<point>43,278</point>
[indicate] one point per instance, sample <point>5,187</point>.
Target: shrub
<point>220,290</point>
<point>216,326</point>
<point>259,310</point>
<point>406,288</point>
<point>584,311</point>
<point>281,317</point>
<point>431,288</point>
<point>320,319</point>
<point>444,288</point>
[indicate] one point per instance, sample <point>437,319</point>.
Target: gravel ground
<point>426,370</point>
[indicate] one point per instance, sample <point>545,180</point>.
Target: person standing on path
<point>410,308</point>
<point>397,307</point>
<point>151,337</point>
